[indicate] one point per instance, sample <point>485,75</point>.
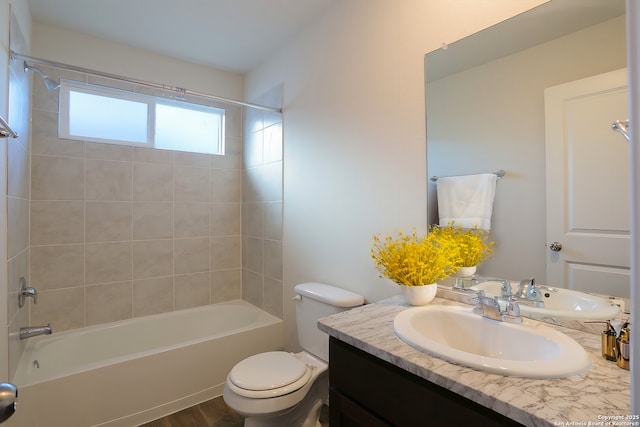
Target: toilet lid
<point>268,371</point>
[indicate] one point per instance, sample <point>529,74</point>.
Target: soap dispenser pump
<point>622,347</point>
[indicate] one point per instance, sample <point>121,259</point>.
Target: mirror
<point>486,112</point>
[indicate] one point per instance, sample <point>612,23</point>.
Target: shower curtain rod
<point>178,90</point>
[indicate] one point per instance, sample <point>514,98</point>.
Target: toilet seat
<point>267,375</point>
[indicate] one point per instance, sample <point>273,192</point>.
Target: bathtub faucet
<point>34,331</point>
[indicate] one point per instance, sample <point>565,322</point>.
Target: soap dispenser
<point>609,343</point>
<point>622,347</point>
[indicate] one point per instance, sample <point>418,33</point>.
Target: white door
<point>587,167</point>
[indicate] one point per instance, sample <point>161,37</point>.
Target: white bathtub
<point>130,372</point>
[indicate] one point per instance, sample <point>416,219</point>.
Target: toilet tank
<point>316,300</point>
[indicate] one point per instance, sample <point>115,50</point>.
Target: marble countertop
<point>594,396</point>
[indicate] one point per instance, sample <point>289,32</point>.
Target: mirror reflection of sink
<point>455,334</point>
<point>560,302</point>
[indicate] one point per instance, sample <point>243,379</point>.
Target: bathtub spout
<point>33,331</point>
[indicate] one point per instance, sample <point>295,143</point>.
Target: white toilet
<point>277,388</point>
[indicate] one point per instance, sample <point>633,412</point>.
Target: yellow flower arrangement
<point>416,261</point>
<point>473,244</point>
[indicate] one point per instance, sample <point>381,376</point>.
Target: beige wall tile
<point>152,220</point>
<point>225,253</point>
<point>150,214</point>
<point>191,219</point>
<point>17,225</point>
<point>273,297</point>
<point>226,219</point>
<point>57,178</point>
<point>184,158</point>
<point>109,152</point>
<point>272,220</point>
<point>152,258</point>
<point>17,171</point>
<point>253,152</point>
<point>17,267</point>
<point>233,121</point>
<point>226,285</point>
<point>108,221</point>
<point>45,137</point>
<point>57,222</point>
<point>272,143</point>
<point>252,288</point>
<point>152,296</point>
<point>57,266</point>
<point>191,290</point>
<point>253,219</point>
<point>232,158</point>
<point>191,255</point>
<point>272,184</point>
<point>109,303</point>
<point>152,155</point>
<point>42,98</point>
<point>16,345</point>
<point>62,308</point>
<point>152,182</point>
<point>273,259</point>
<point>253,254</point>
<point>108,262</point>
<point>226,185</point>
<point>191,184</point>
<point>109,180</point>
<point>263,183</point>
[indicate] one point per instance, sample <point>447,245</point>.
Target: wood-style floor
<point>213,413</point>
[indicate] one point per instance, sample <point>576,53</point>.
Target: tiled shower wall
<point>17,197</point>
<point>262,206</point>
<point>120,232</point>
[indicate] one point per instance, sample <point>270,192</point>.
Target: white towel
<point>466,200</point>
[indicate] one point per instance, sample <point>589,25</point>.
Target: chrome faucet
<point>34,331</point>
<point>461,285</point>
<point>529,293</point>
<point>491,309</point>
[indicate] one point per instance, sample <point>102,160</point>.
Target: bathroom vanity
<point>378,380</point>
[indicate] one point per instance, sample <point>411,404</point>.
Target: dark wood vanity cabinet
<point>369,392</point>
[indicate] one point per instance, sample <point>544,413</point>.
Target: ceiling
<point>233,35</point>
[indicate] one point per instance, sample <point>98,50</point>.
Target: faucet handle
<point>512,308</point>
<point>506,290</point>
<point>477,309</point>
<point>26,292</point>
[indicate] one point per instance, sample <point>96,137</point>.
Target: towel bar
<point>5,130</point>
<point>499,174</point>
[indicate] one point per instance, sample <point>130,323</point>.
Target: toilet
<point>277,388</point>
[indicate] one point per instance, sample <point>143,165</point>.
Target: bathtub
<point>134,371</point>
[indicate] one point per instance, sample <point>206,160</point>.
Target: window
<point>113,116</point>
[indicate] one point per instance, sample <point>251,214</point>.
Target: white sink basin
<point>560,302</point>
<point>455,334</point>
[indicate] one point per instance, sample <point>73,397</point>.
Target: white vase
<point>419,295</point>
<point>466,271</point>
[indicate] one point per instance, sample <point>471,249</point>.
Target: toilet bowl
<point>278,389</point>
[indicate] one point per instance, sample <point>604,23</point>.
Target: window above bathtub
<point>113,116</point>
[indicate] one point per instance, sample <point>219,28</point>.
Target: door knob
<point>8,396</point>
<point>556,246</point>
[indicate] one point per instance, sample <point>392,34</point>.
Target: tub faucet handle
<point>26,292</point>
